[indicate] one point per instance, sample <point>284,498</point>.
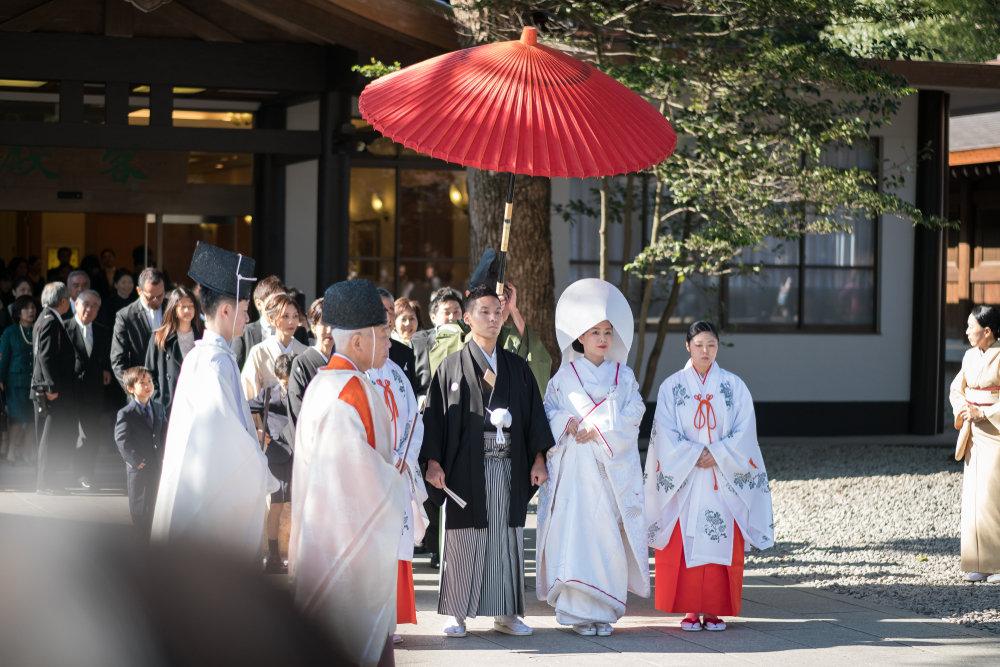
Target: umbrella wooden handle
<point>508,214</point>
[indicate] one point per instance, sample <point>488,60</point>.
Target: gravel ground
<point>875,522</point>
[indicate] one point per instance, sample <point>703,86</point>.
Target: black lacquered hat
<point>352,305</point>
<point>222,271</point>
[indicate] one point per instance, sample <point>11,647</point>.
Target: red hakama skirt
<point>711,589</point>
<point>406,601</point>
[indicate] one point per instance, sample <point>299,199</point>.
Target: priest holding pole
<point>349,502</point>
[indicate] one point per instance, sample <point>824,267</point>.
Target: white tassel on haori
<point>501,419</point>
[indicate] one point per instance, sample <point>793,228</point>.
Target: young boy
<point>139,436</point>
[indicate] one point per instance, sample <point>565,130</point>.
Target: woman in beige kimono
<point>974,398</point>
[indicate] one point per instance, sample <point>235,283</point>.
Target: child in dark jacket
<point>139,434</point>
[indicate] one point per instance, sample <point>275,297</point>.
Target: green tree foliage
<point>757,91</point>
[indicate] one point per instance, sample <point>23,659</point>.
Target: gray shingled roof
<point>981,130</point>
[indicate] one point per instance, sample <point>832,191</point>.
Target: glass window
<point>433,232</point>
<point>372,232</point>
<point>771,296</point>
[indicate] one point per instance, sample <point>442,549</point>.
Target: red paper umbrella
<point>522,108</point>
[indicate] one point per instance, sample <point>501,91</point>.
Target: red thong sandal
<point>714,624</point>
<point>691,623</point>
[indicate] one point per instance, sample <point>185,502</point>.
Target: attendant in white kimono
<point>707,493</point>
<point>975,400</point>
<point>591,545</point>
<point>407,436</point>
<point>348,507</point>
<point>215,481</point>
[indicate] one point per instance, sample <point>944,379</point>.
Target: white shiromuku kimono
<point>401,404</point>
<point>693,413</point>
<point>215,480</point>
<point>591,527</point>
<point>347,512</point>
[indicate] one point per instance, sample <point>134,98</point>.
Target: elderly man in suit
<point>92,372</point>
<point>52,386</point>
<point>77,281</point>
<point>135,323</point>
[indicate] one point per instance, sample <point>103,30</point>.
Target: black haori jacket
<point>453,433</point>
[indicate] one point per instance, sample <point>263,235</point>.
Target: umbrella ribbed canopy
<point>519,107</point>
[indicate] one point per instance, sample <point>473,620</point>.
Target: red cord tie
<point>752,464</point>
<point>390,402</point>
<point>705,415</point>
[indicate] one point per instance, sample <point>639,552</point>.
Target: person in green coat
<point>515,336</point>
<point>16,362</point>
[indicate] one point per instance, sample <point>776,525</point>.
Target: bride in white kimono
<point>706,487</point>
<point>591,529</point>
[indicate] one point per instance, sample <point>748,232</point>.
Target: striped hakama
<point>482,571</point>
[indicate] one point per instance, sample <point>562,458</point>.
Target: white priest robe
<point>407,436</point>
<point>347,512</point>
<point>591,527</point>
<point>694,413</point>
<point>215,480</point>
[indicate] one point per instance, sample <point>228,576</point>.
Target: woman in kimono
<point>407,430</point>
<point>591,529</point>
<point>707,492</point>
<point>282,311</point>
<point>974,399</point>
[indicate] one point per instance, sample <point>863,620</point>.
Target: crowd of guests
<point>70,336</point>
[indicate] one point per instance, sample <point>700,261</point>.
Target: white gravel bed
<point>875,522</point>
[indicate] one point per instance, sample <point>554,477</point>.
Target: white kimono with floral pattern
<point>591,527</point>
<point>401,406</point>
<point>693,413</point>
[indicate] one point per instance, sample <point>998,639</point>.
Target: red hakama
<point>406,602</point>
<point>711,589</point>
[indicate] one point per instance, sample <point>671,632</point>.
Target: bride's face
<point>597,340</point>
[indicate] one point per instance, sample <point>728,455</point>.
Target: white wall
<point>819,367</point>
<point>301,214</point>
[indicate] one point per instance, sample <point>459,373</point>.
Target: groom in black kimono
<point>485,437</point>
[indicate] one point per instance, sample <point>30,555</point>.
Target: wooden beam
<point>183,17</point>
<point>116,103</point>
<point>192,200</point>
<point>138,137</point>
<point>293,68</point>
<point>119,18</point>
<point>419,22</point>
<point>71,101</point>
<point>974,156</point>
<point>37,16</point>
<point>321,23</point>
<point>288,17</point>
<point>161,105</point>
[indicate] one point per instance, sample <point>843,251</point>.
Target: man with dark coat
<point>52,385</point>
<point>485,437</point>
<point>134,324</point>
<point>92,373</point>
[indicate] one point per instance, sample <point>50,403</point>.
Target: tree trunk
<point>529,258</point>
<point>661,335</point>
<point>627,232</point>
<point>647,288</point>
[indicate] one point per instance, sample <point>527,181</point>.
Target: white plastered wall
<point>818,367</point>
<point>301,192</point>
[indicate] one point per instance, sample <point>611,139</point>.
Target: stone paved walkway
<point>781,623</point>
